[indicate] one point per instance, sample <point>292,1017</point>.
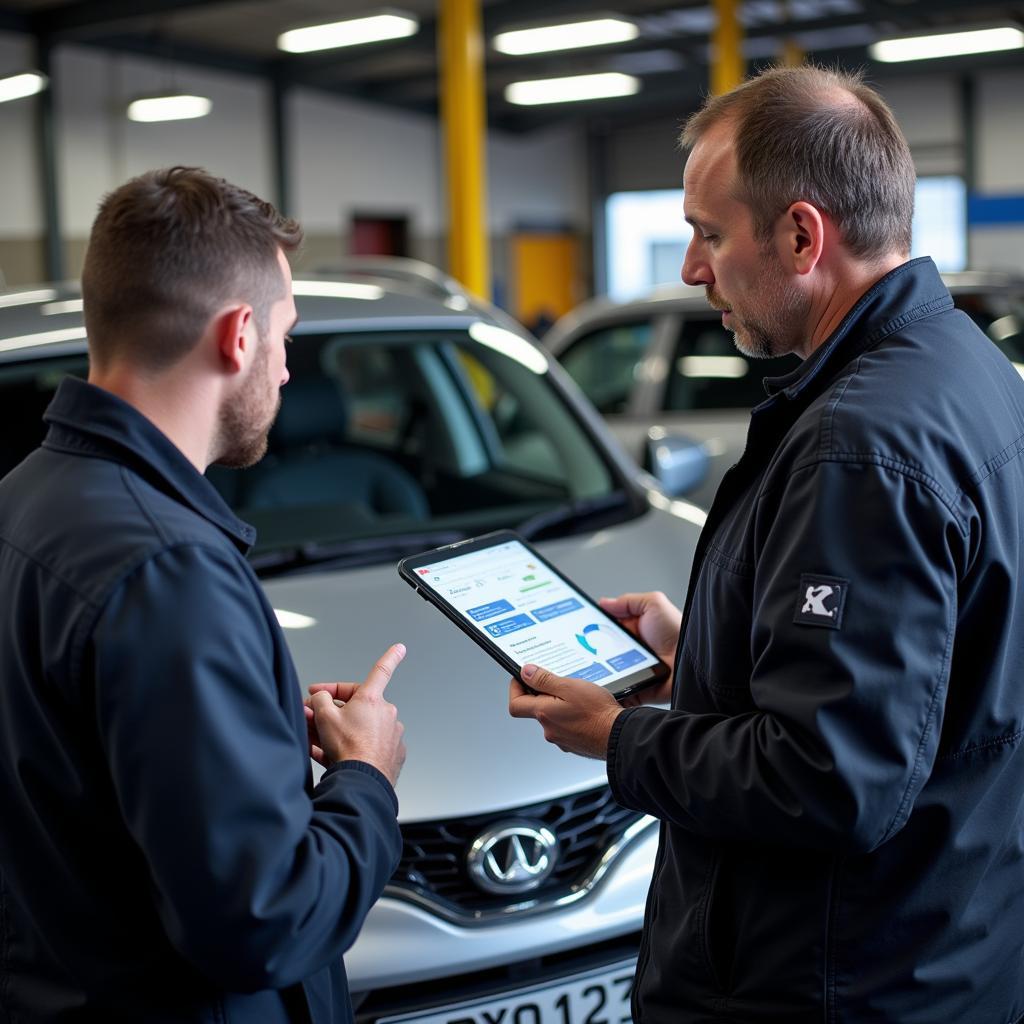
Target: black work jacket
<point>840,779</point>
<point>164,856</point>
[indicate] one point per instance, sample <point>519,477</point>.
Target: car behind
<point>414,417</point>
<point>663,365</point>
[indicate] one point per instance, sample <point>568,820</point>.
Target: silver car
<point>663,367</point>
<point>416,416</point>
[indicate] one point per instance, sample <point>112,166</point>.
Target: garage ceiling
<point>670,54</point>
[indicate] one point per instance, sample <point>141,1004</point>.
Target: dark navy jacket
<point>164,856</point>
<point>841,776</point>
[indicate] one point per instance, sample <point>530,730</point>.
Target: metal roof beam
<point>87,17</point>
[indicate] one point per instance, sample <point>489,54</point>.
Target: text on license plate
<point>601,996</point>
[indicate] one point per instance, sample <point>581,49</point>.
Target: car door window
<point>604,363</point>
<point>709,372</point>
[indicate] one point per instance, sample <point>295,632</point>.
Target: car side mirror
<point>679,463</point>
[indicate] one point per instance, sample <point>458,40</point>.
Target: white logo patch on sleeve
<point>821,601</point>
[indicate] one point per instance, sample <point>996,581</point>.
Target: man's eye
<point>709,238</point>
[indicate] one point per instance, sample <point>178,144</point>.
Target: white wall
<point>20,198</point>
<point>98,147</point>
<point>1000,165</point>
<point>928,110</point>
<point>348,156</point>
<point>344,156</point>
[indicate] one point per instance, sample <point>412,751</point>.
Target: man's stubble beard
<point>778,327</point>
<point>244,420</point>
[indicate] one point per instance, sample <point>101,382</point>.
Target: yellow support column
<point>792,55</point>
<point>727,44</point>
<point>461,55</point>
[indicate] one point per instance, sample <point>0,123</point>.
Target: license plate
<point>600,996</point>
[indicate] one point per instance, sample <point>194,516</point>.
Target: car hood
<point>466,755</point>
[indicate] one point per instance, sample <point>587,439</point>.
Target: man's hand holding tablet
<point>516,605</point>
<point>577,717</point>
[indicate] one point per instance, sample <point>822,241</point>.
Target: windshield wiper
<point>576,514</point>
<point>357,551</point>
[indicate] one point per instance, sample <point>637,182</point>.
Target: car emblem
<point>513,857</point>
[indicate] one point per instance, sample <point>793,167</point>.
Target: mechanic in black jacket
<point>164,856</point>
<point>840,778</point>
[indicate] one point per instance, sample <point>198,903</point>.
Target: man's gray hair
<point>824,137</point>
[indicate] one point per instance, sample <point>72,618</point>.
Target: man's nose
<point>696,269</point>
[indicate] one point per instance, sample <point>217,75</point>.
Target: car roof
<point>373,293</point>
<point>686,298</point>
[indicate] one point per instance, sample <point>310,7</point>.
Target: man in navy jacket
<point>164,856</point>
<point>840,778</point>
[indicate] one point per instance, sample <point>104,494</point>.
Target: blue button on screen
<point>506,626</point>
<point>627,660</point>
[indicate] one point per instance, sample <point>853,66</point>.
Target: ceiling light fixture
<point>169,107</point>
<point>354,32</point>
<point>16,87</point>
<point>572,89</point>
<point>947,44</point>
<point>569,36</point>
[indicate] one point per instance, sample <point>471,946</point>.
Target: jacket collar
<point>911,292</point>
<point>87,419</point>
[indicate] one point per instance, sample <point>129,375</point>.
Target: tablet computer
<point>520,609</point>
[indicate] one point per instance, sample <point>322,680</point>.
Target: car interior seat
<point>310,462</point>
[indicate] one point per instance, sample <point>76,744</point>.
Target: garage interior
<point>357,143</point>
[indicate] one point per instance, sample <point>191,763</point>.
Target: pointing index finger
<point>380,674</point>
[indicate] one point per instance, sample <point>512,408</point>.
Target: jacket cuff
<point>365,769</point>
<point>617,756</point>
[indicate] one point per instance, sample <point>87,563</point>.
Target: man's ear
<point>233,337</point>
<point>800,235</point>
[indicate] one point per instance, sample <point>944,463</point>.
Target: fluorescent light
<point>947,44</point>
<point>56,308</point>
<point>15,87</point>
<point>570,36</point>
<point>509,344</point>
<point>337,290</point>
<point>42,338</point>
<point>354,32</point>
<point>177,107</point>
<point>26,298</point>
<point>572,89</point>
<point>293,620</point>
<point>732,367</point>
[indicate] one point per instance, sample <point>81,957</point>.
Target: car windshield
<point>387,443</point>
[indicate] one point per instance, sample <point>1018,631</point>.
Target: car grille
<point>433,866</point>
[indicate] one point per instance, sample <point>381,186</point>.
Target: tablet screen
<point>533,615</point>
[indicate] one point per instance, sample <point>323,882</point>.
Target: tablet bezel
<point>620,688</point>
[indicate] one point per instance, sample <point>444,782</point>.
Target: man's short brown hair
<point>167,250</point>
<point>824,137</point>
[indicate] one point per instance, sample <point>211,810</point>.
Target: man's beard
<point>778,326</point>
<point>246,419</point>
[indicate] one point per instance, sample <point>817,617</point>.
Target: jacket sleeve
<point>257,885</point>
<point>846,720</point>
